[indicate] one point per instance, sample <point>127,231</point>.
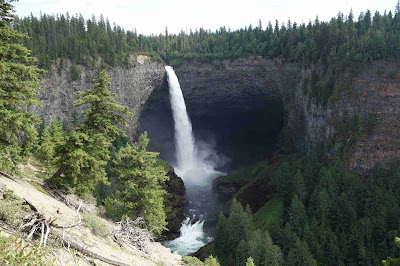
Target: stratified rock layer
<point>133,87</point>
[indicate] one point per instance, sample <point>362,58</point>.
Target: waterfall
<point>195,165</point>
<point>184,141</point>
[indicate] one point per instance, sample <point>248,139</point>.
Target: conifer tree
<point>391,261</point>
<point>220,243</point>
<point>19,82</point>
<point>250,262</point>
<point>297,216</point>
<point>140,193</point>
<point>85,153</point>
<point>299,255</point>
<point>52,136</point>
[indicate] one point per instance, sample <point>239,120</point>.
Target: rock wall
<point>133,87</point>
<point>244,93</point>
<point>236,105</point>
<point>375,91</point>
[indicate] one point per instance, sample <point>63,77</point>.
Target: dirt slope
<point>159,255</point>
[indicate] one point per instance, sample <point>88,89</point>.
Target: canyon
<point>242,105</point>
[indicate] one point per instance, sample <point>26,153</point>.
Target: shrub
<point>14,251</point>
<point>96,225</point>
<point>211,261</point>
<point>75,73</point>
<point>192,261</point>
<point>11,210</point>
<point>392,75</point>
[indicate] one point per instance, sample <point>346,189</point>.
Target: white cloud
<point>151,16</point>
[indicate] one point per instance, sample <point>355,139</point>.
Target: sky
<point>152,16</point>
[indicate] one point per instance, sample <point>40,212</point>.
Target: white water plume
<point>193,162</point>
<point>192,238</point>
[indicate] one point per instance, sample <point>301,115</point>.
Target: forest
<point>340,45</point>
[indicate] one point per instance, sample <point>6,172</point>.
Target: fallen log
<point>83,249</point>
<point>36,223</point>
<point>8,176</point>
<point>2,188</point>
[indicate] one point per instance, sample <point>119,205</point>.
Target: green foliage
<point>19,82</point>
<point>51,137</point>
<point>82,159</point>
<point>250,262</point>
<point>192,261</point>
<point>392,75</point>
<point>236,240</point>
<point>390,261</point>
<point>75,73</point>
<point>140,193</point>
<point>299,255</point>
<point>96,225</point>
<point>83,156</point>
<point>342,220</point>
<point>247,174</point>
<point>269,214</point>
<point>104,114</point>
<point>38,187</point>
<point>340,47</point>
<point>211,261</point>
<point>11,210</point>
<point>14,251</point>
<point>348,131</point>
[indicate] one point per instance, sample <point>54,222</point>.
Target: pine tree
<point>140,193</point>
<point>85,153</point>
<point>211,261</point>
<point>220,243</point>
<point>390,261</point>
<point>297,216</point>
<point>250,262</point>
<point>19,82</point>
<point>299,255</point>
<point>51,137</point>
<point>104,115</point>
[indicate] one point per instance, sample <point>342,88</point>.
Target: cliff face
<point>133,87</point>
<point>174,201</point>
<point>378,90</point>
<point>255,84</point>
<point>240,104</point>
<point>236,105</point>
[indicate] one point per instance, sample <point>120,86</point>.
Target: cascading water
<point>193,165</point>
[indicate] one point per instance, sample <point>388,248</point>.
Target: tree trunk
<point>59,172</point>
<point>84,250</point>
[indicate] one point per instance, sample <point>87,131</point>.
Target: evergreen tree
<point>250,262</point>
<point>51,137</point>
<point>104,114</point>
<point>390,261</point>
<point>299,255</point>
<point>85,153</point>
<point>140,193</point>
<point>19,82</point>
<point>297,217</point>
<point>221,238</point>
<point>211,261</point>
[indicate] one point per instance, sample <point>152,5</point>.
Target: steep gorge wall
<point>245,93</point>
<point>376,90</point>
<point>133,87</point>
